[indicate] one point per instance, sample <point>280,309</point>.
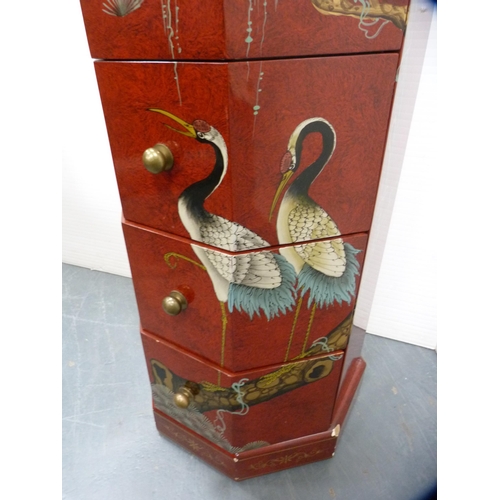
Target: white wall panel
<point>92,235</point>
<point>404,303</point>
<point>410,70</point>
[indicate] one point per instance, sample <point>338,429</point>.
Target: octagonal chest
<point>247,139</point>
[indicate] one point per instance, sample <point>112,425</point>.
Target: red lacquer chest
<point>247,138</point>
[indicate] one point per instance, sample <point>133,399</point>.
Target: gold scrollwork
<point>286,459</point>
<point>171,259</point>
<point>397,14</point>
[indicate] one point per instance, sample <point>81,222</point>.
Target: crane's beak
<point>190,131</point>
<point>283,183</point>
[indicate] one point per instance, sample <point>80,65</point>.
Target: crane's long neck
<point>193,197</point>
<point>301,185</point>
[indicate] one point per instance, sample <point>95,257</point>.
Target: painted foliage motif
<point>120,8</point>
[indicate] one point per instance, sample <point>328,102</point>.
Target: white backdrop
<point>397,295</point>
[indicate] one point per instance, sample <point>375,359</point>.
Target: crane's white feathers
<point>326,269</point>
<point>250,282</point>
<point>325,290</point>
<point>220,232</point>
<point>260,270</point>
<point>258,282</point>
<point>309,221</point>
<point>328,257</point>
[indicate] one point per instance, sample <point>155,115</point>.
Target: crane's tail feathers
<point>272,301</point>
<point>325,290</point>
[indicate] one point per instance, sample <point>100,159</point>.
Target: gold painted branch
<point>397,14</point>
<point>287,378</point>
<point>213,397</point>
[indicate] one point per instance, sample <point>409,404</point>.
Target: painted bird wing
<point>259,270</point>
<point>327,257</point>
<point>310,222</point>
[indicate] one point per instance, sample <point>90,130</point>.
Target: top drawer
<point>268,145</point>
<point>241,29</point>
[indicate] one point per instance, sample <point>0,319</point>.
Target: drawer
<point>245,410</point>
<point>237,29</point>
<point>263,320</point>
<point>262,112</point>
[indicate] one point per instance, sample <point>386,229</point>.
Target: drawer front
<point>243,326</point>
<point>246,410</point>
<point>271,125</point>
<point>152,29</point>
<point>237,29</point>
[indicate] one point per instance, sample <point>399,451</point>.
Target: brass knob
<point>183,397</point>
<point>158,159</point>
<point>175,303</point>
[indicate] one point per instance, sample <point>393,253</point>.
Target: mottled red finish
<point>217,29</point>
<point>127,91</point>
<point>300,412</point>
<point>252,463</point>
<point>142,35</point>
<point>276,457</point>
<point>353,93</point>
<point>249,343</point>
<point>290,28</point>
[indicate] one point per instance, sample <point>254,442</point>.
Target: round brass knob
<point>175,303</point>
<point>158,159</point>
<point>183,397</point>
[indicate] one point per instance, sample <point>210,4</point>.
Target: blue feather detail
<point>325,290</point>
<point>272,301</point>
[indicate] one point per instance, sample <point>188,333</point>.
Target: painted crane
<point>252,282</point>
<point>327,268</point>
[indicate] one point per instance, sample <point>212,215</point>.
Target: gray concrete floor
<point>112,450</point>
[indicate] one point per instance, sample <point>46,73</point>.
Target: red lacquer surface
<point>300,412</point>
<point>268,459</point>
<point>252,463</point>
<point>290,28</point>
<point>354,94</point>
<point>128,90</point>
<point>247,343</point>
<point>146,34</point>
<point>175,29</point>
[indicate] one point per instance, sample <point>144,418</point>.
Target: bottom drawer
<point>244,410</point>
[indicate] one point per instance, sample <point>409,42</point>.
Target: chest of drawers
<point>247,140</point>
